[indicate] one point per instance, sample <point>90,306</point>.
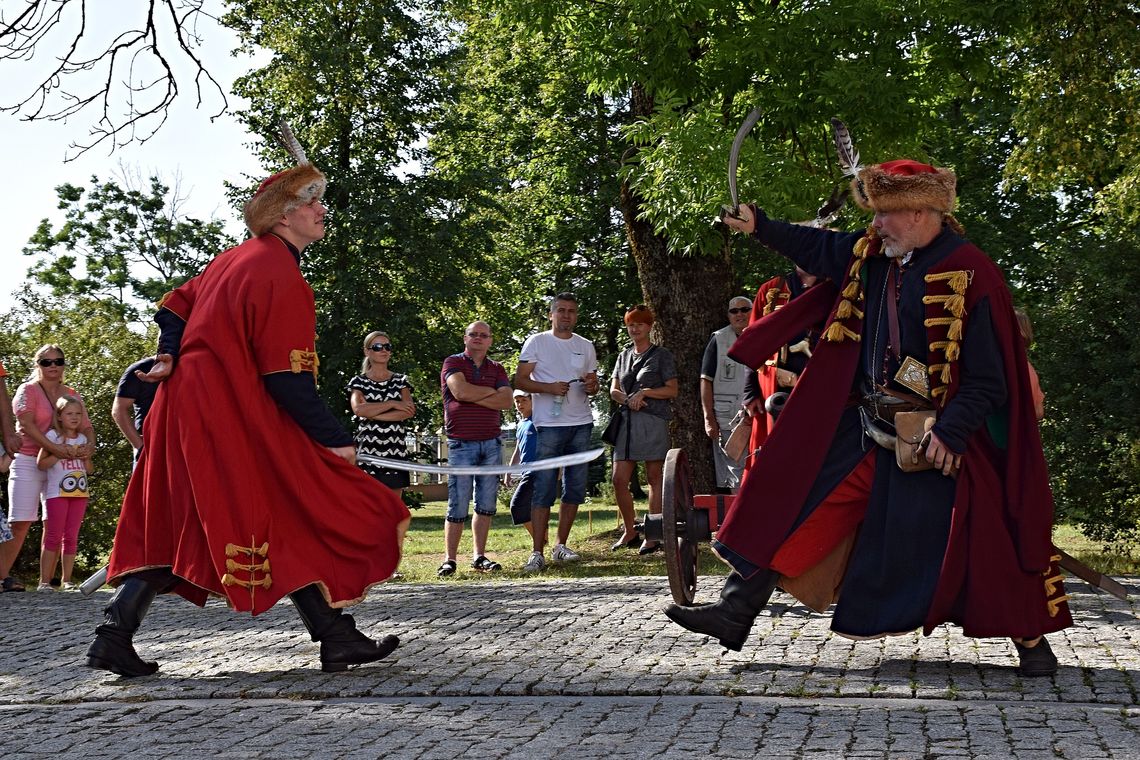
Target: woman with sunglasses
<point>34,409</point>
<point>644,380</point>
<point>381,400</point>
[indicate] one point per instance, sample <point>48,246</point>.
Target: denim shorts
<point>521,499</point>
<point>459,487</point>
<point>553,442</point>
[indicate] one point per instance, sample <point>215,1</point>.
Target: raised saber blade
<point>734,160</point>
<point>566,460</point>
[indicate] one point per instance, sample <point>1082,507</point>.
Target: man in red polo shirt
<point>475,391</point>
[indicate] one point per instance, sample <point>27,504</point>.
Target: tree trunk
<point>689,295</point>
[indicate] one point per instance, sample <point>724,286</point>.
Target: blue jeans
<point>553,442</point>
<point>459,487</point>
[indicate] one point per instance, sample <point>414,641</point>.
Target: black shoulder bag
<point>609,435</point>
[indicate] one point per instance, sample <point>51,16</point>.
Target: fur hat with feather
<point>284,191</point>
<point>905,184</point>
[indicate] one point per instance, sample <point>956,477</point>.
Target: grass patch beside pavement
<point>595,530</point>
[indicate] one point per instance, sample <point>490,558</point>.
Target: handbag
<point>911,429</point>
<point>610,434</point>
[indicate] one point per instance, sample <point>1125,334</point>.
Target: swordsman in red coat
<point>779,372</point>
<point>918,319</point>
<point>246,488</point>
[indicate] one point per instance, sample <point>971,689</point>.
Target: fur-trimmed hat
<point>280,194</point>
<point>905,184</point>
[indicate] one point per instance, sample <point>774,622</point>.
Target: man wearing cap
<point>475,391</point>
<point>917,320</point>
<point>246,488</point>
<point>722,389</point>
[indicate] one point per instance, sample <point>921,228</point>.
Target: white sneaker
<point>563,553</point>
<point>536,563</point>
<point>68,586</point>
<point>44,587</point>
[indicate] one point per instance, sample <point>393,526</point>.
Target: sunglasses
<point>380,347</point>
<point>478,335</point>
<point>639,307</point>
<point>50,362</point>
<point>739,309</point>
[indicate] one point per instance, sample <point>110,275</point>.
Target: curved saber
<point>553,463</point>
<point>734,160</point>
<point>96,581</point>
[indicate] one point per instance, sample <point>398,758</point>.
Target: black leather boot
<point>1036,661</point>
<point>112,648</point>
<point>341,644</point>
<point>730,619</point>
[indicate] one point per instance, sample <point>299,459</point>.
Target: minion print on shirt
<point>73,484</point>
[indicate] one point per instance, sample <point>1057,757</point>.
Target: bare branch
<point>138,68</point>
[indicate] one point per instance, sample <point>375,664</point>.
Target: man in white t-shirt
<point>560,370</point>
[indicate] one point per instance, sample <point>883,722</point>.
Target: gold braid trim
<point>954,325</point>
<point>232,550</point>
<point>944,377</point>
<point>253,553</point>
<point>950,347</point>
<point>772,297</point>
<point>958,280</point>
<point>955,304</point>
<point>853,291</point>
<point>837,333</point>
<point>847,309</point>
<point>936,392</point>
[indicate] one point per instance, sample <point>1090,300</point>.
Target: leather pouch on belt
<point>910,428</point>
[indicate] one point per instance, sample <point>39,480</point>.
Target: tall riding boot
<point>341,644</point>
<point>112,648</point>
<point>730,619</point>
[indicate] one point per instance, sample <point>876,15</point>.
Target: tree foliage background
<point>485,154</point>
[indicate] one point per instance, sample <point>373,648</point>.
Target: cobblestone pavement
<point>577,669</point>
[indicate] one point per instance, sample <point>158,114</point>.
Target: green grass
<point>595,530</point>
<point>1112,559</point>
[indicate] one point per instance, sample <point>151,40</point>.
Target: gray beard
<point>893,253</point>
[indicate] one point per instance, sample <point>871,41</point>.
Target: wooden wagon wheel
<point>676,511</point>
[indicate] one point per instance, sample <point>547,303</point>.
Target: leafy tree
<point>359,83</point>
<point>128,245</point>
<point>99,346</point>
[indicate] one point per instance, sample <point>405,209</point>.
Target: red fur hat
<point>280,194</point>
<point>905,184</point>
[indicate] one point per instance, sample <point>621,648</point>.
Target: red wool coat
<point>999,575</point>
<point>229,491</point>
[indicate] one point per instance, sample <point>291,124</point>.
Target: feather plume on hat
<point>281,193</point>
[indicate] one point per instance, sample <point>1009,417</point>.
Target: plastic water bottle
<point>556,410</point>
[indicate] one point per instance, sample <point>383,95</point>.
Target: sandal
<point>648,548</point>
<point>11,584</point>
<point>446,569</point>
<point>484,565</point>
<point>630,544</point>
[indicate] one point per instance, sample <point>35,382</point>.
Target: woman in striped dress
<point>381,400</point>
